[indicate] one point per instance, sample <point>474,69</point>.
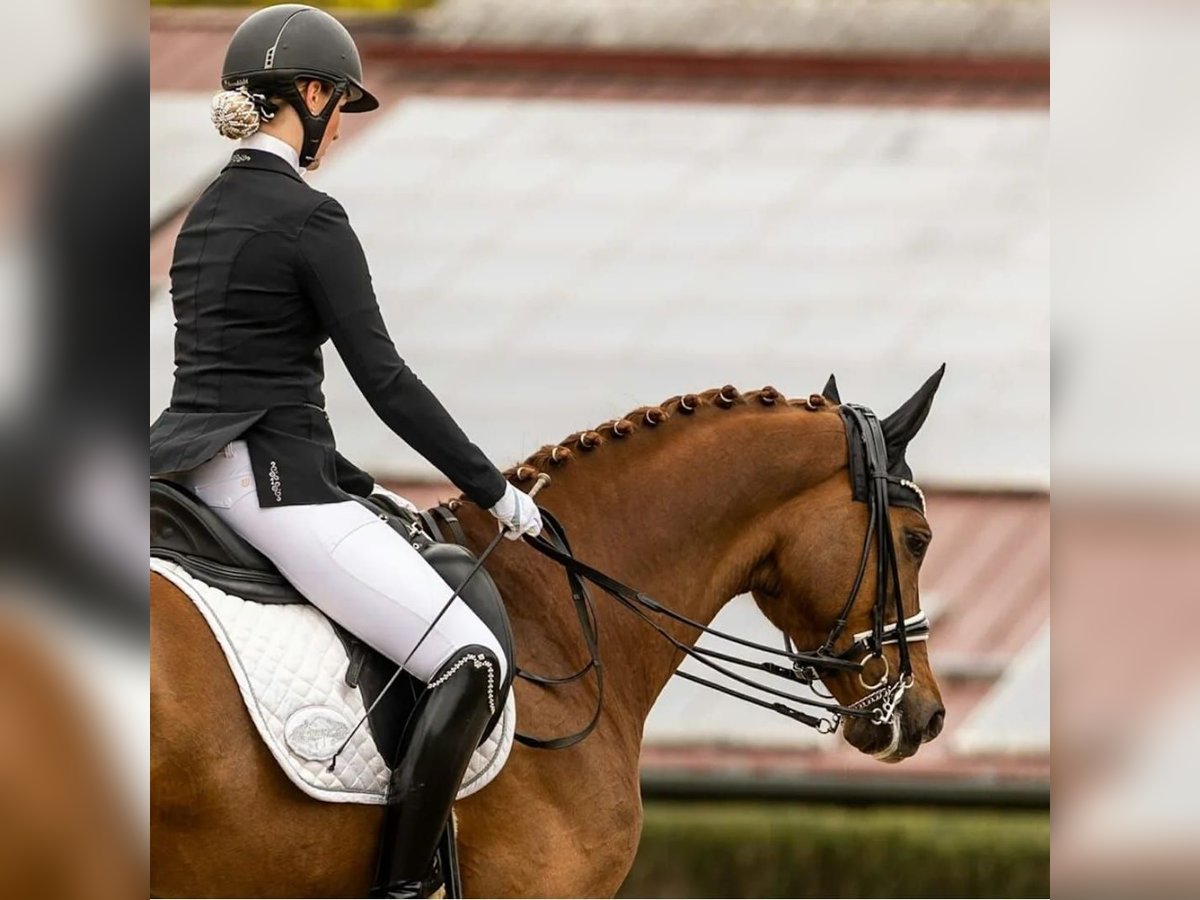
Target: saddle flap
<point>373,670</point>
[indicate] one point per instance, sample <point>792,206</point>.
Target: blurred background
<point>651,198</point>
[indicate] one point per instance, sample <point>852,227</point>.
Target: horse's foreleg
<point>553,824</point>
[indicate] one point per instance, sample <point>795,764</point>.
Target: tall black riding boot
<point>444,732</point>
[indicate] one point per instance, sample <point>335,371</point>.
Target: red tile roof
<point>187,47</point>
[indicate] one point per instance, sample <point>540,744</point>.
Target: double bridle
<point>875,486</point>
<point>883,699</point>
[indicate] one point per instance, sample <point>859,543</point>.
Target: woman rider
<point>266,269</point>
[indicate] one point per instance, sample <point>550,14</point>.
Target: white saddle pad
<point>291,667</point>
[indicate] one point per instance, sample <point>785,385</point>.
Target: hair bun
<point>235,114</point>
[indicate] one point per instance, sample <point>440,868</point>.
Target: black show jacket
<point>267,269</point>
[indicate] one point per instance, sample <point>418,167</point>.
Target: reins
<point>582,601</point>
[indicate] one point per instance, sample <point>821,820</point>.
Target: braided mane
<point>590,439</point>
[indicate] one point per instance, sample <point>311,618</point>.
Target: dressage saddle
<point>185,531</point>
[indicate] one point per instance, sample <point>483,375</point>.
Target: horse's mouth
<point>886,743</point>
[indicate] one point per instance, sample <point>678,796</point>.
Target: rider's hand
<point>518,514</point>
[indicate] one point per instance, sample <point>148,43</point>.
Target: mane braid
<point>590,439</point>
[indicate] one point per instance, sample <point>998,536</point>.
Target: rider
<point>266,269</point>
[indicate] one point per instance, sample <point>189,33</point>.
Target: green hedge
<point>792,850</point>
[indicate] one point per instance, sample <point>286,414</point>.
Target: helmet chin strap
<point>314,125</point>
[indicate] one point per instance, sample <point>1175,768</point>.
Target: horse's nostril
<point>934,727</point>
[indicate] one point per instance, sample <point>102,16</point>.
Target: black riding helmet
<point>281,44</point>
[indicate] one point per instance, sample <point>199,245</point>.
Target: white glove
<point>402,502</point>
<point>518,514</point>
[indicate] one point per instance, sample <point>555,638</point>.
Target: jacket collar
<point>261,140</point>
<point>249,158</point>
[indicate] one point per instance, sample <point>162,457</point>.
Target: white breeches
<point>350,564</point>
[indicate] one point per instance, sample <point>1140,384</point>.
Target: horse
<point>696,500</point>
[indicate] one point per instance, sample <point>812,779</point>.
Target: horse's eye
<point>917,543</point>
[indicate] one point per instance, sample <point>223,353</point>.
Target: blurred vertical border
<point>74,705</point>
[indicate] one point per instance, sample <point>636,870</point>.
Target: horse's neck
<point>683,514</point>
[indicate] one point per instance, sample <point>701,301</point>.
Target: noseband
<point>872,484</point>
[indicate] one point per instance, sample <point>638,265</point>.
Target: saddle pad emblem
<point>315,732</point>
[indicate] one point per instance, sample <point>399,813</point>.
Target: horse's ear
<point>830,391</point>
<point>902,426</point>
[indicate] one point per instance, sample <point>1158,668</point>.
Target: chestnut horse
<point>693,502</point>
